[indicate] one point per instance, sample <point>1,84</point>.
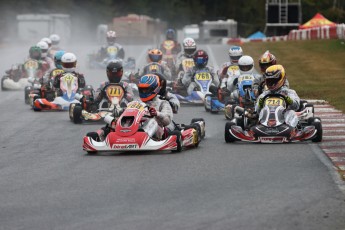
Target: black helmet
<point>114,71</point>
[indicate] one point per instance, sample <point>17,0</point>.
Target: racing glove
<point>153,112</point>
<point>288,100</point>
<point>261,103</point>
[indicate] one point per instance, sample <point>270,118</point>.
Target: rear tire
<point>178,141</point>
<point>198,129</point>
<point>227,135</point>
<point>26,95</point>
<point>318,127</point>
<point>2,83</point>
<point>77,114</point>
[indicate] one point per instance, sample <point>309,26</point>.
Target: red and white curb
<point>333,141</point>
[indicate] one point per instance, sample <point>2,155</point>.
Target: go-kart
<point>186,65</point>
<point>243,97</point>
<point>88,110</point>
<point>95,62</point>
<point>276,124</point>
<point>18,77</point>
<point>68,93</point>
<point>203,80</point>
<point>215,104</point>
<point>129,134</point>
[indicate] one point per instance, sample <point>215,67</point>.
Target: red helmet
<point>267,60</point>
<point>200,58</point>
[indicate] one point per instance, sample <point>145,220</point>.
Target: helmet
<point>189,46</point>
<point>35,52</point>
<point>235,53</point>
<point>44,48</point>
<point>48,41</point>
<point>170,34</point>
<point>68,62</point>
<point>114,71</point>
<point>149,86</point>
<point>266,60</point>
<point>111,37</point>
<point>200,58</point>
<point>57,58</point>
<point>246,64</point>
<point>55,39</point>
<point>155,55</point>
<point>275,77</point>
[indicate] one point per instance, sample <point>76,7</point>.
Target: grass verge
<point>315,69</point>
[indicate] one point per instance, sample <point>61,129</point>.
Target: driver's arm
<point>165,114</point>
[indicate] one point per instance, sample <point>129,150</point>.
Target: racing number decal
<point>31,65</point>
<point>153,68</point>
<point>245,77</point>
<point>203,76</point>
<point>233,68</point>
<point>112,50</point>
<point>135,105</point>
<point>188,63</point>
<point>114,91</point>
<point>274,101</point>
<point>56,72</point>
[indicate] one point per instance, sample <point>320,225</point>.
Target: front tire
<point>77,111</point>
<point>178,141</point>
<point>227,135</point>
<point>318,126</point>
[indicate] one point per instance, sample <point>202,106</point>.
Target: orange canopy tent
<point>317,21</point>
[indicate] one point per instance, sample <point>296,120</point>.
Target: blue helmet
<point>149,87</point>
<point>170,34</point>
<point>57,58</point>
<point>245,89</point>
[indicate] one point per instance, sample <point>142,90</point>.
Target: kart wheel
<point>227,135</point>
<point>70,111</point>
<point>318,126</point>
<point>206,109</point>
<point>26,95</point>
<point>2,84</point>
<point>77,114</point>
<point>178,141</point>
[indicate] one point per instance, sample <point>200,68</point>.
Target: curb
<point>333,141</point>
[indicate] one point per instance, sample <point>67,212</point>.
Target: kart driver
<point>111,38</point>
<point>275,78</point>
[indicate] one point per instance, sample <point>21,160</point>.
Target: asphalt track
<point>48,182</point>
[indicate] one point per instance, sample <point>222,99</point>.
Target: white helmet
<point>246,64</point>
<point>111,37</point>
<point>235,53</point>
<point>55,39</point>
<point>47,40</point>
<point>68,62</point>
<point>44,48</point>
<point>189,46</point>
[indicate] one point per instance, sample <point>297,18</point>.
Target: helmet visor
<point>264,66</point>
<point>155,57</point>
<point>111,40</point>
<point>235,58</point>
<point>69,64</point>
<point>189,51</point>
<point>245,68</point>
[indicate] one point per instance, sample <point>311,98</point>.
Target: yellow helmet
<point>155,55</point>
<point>275,77</point>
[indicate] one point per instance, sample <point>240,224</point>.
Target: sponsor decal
<point>272,139</point>
<point>125,140</point>
<point>125,146</point>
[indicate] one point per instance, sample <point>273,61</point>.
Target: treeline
<point>250,14</point>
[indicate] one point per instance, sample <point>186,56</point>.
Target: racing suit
<point>81,79</point>
<point>158,69</point>
<point>188,79</point>
<point>179,60</point>
<point>100,96</point>
<point>285,91</point>
<point>223,74</point>
<point>155,126</point>
<point>103,51</point>
<point>51,63</point>
<point>175,50</point>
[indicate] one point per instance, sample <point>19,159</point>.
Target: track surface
<point>48,182</point>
